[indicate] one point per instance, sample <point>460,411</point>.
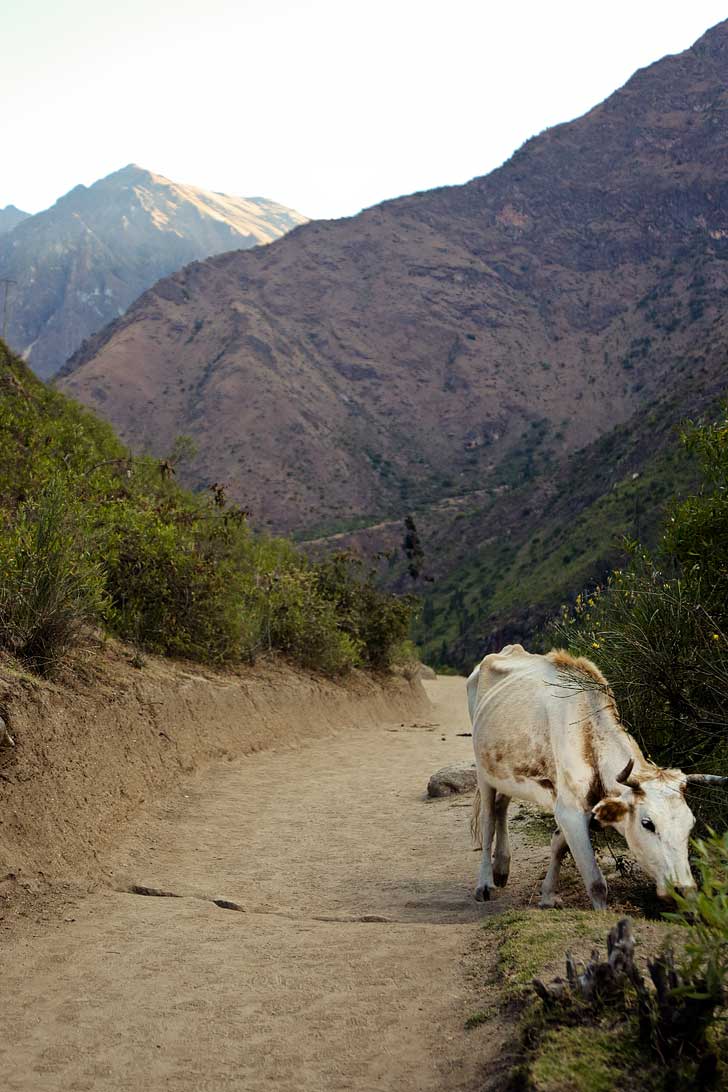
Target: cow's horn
<point>706,779</point>
<point>622,778</point>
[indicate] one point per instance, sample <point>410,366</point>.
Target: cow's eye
<point>648,824</point>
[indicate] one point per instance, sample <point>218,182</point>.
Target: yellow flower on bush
<point>716,636</point>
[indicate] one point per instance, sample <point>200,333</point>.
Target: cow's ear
<point>610,811</point>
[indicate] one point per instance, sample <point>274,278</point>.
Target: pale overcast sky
<point>324,105</point>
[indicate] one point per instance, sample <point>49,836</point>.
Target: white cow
<point>546,729</point>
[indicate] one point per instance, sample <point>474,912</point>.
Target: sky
<point>324,105</point>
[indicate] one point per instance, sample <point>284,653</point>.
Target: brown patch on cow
<point>579,665</point>
<point>566,662</point>
<point>595,792</point>
<point>648,772</point>
<point>548,785</point>
<point>610,811</point>
<point>536,770</point>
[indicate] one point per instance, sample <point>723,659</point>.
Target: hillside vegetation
<point>659,626</point>
<point>504,565</point>
<point>93,537</point>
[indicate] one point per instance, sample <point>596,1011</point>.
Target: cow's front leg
<point>559,849</point>
<point>502,856</point>
<point>487,826</point>
<point>574,823</point>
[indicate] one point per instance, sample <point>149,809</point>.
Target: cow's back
<point>512,665</point>
<point>512,722</point>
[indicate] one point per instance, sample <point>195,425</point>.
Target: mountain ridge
<point>466,340</point>
<point>81,262</point>
<point>10,217</point>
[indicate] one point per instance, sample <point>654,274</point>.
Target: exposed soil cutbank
<point>90,753</point>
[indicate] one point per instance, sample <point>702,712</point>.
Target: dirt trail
<point>346,968</point>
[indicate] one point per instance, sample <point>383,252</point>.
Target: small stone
<point>460,777</point>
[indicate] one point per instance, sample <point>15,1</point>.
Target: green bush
<point>94,535</point>
<point>169,593</point>
<point>300,622</point>
<point>51,586</point>
<point>377,623</point>
<point>659,630</point>
<point>704,913</point>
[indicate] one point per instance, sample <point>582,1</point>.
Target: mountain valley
<point>494,356</point>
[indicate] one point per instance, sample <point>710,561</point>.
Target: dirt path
<point>344,970</point>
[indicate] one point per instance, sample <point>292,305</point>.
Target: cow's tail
<point>475,822</point>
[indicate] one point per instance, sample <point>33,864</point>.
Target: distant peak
<point>131,173</point>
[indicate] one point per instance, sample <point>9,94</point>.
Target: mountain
<point>459,352</point>
<point>10,217</point>
<point>79,264</point>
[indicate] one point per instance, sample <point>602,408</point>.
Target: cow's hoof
<point>500,879</point>
<point>482,894</point>
<point>598,894</point>
<point>550,902</point>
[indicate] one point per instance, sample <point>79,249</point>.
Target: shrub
<point>303,624</point>
<point>169,593</point>
<point>659,629</point>
<point>50,584</point>
<point>92,535</point>
<point>704,913</point>
<point>378,623</point>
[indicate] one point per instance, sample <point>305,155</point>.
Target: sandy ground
<point>344,966</point>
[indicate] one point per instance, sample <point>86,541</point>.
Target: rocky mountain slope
<point>10,217</point>
<point>79,264</point>
<point>500,357</point>
<point>449,341</point>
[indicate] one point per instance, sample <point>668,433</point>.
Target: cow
<point>546,730</point>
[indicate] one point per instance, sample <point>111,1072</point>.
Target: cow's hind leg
<point>487,827</point>
<point>502,856</point>
<point>575,825</point>
<point>559,849</point>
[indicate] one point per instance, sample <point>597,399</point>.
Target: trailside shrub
<point>89,533</point>
<point>43,434</point>
<point>169,593</point>
<point>377,622</point>
<point>704,913</point>
<point>51,585</point>
<point>666,659</point>
<point>659,630</point>
<point>300,622</point>
<point>696,535</point>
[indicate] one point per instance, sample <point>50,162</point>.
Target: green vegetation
<point>532,562</point>
<point>659,629</point>
<point>611,1030</point>
<point>477,1018</point>
<point>704,914</point>
<point>570,1060</point>
<point>91,537</point>
<point>530,941</point>
<point>560,1054</point>
<point>50,584</point>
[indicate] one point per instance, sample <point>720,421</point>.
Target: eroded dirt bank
<point>90,754</point>
<point>346,964</point>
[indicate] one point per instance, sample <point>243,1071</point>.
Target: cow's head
<point>651,813</point>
